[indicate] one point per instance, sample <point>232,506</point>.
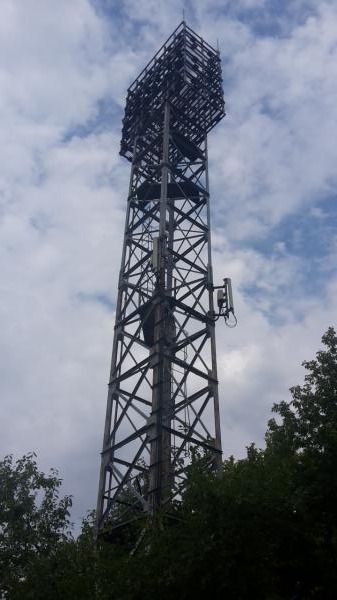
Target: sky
<point>64,72</point>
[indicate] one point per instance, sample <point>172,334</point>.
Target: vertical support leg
<point>160,460</point>
<point>217,426</point>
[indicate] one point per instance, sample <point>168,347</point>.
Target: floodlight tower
<point>163,387</point>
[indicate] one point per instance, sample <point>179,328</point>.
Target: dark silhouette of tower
<point>163,387</point>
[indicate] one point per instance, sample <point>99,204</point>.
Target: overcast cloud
<point>64,72</point>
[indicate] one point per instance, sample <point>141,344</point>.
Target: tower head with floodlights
<point>186,71</point>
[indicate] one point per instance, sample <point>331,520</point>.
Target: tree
<point>34,521</point>
<point>267,529</point>
<point>305,440</point>
<point>309,421</point>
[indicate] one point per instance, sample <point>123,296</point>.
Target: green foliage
<point>265,529</point>
<point>33,520</point>
<point>309,421</point>
<point>305,441</point>
<point>69,572</point>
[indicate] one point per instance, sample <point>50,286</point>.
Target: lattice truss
<point>163,397</point>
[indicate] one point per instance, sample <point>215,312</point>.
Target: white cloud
<point>62,201</point>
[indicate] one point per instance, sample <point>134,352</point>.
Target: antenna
<point>225,303</point>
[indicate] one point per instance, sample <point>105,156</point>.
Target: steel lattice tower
<point>163,388</point>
